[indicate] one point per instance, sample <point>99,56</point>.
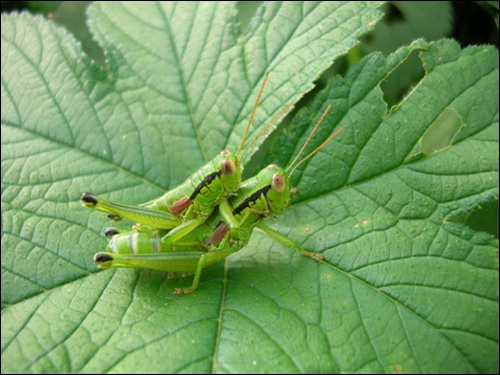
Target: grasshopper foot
<point>179,291</point>
<point>315,256</point>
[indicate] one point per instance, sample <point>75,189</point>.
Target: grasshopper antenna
<point>295,164</point>
<point>266,127</point>
<point>254,110</point>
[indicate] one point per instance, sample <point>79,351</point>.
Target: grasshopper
<point>188,205</point>
<point>226,231</point>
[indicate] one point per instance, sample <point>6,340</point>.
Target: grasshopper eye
<point>278,182</point>
<point>228,167</point>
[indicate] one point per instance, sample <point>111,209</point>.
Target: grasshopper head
<point>278,195</point>
<point>231,170</point>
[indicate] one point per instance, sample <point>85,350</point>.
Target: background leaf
<point>399,278</point>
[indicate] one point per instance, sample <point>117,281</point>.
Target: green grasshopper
<point>196,198</point>
<point>226,231</point>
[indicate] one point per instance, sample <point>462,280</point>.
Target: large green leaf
<point>402,287</point>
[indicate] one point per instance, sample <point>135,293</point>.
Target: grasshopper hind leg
<point>184,261</point>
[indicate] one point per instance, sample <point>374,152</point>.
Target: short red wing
<point>219,233</point>
<point>180,205</point>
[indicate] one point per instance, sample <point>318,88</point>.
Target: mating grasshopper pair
<point>210,216</point>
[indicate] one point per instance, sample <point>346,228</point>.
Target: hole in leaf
<point>439,136</point>
<point>246,11</point>
<point>485,219</point>
<point>401,80</point>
